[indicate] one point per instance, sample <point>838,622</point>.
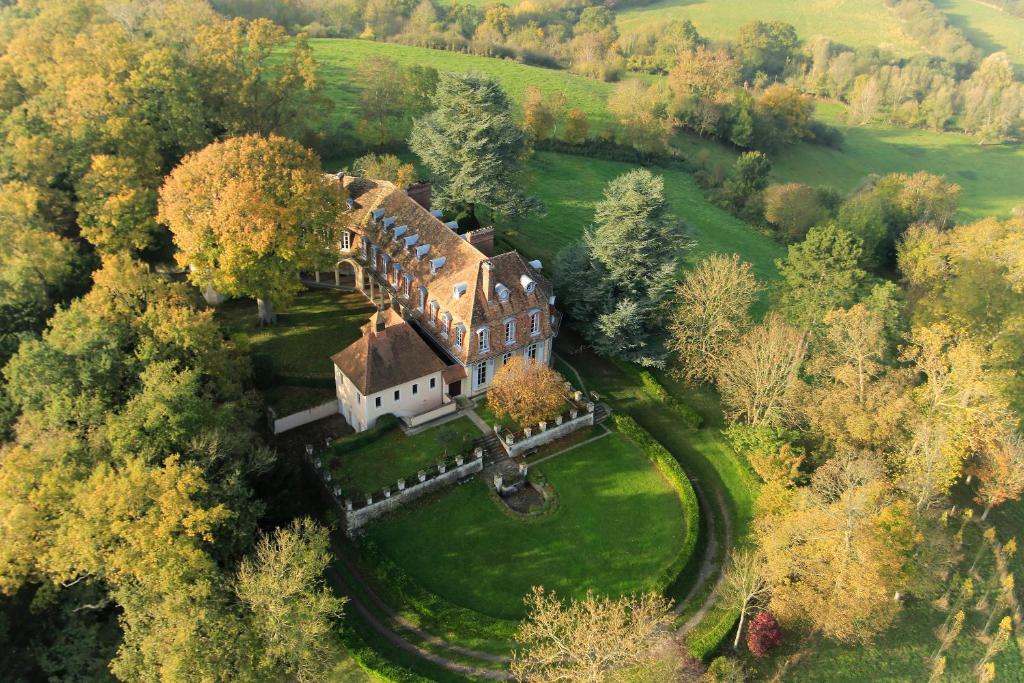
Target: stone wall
<point>440,411</point>
<point>533,437</point>
<point>359,513</point>
<point>303,417</point>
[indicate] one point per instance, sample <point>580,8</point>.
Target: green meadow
<point>987,27</point>
<point>858,23</point>
<point>989,176</point>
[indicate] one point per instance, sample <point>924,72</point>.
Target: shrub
<point>669,468</point>
<point>691,418</point>
<point>726,670</point>
<point>764,634</point>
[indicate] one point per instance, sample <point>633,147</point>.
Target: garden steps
<point>601,413</point>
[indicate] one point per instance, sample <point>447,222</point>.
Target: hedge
<point>705,644</point>
<point>691,418</point>
<point>673,472</point>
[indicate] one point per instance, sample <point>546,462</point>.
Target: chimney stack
<point>486,269</point>
<point>378,321</point>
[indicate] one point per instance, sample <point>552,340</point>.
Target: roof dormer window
<point>388,222</point>
<point>454,225</point>
<point>423,299</point>
<point>510,331</point>
<point>411,240</point>
<point>527,282</point>
<point>408,286</point>
<point>400,230</point>
<point>502,291</point>
<point>446,324</point>
<point>436,264</point>
<point>460,335</point>
<point>459,290</point>
<point>421,251</point>
<point>377,214</point>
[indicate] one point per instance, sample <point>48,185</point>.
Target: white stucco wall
<point>362,412</point>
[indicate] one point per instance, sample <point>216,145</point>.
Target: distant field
<point>858,23</point>
<point>990,176</point>
<point>340,57</point>
<point>987,27</point>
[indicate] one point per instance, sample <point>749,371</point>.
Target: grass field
<point>987,27</point>
<point>990,176</point>
<point>340,57</point>
<point>394,455</point>
<point>858,23</point>
<point>616,528</point>
<point>319,324</point>
<point>570,186</point>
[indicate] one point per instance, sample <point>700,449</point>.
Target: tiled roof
<point>382,359</point>
<point>463,264</point>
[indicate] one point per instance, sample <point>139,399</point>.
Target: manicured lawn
<point>616,528</point>
<point>987,27</point>
<point>859,23</point>
<point>319,324</point>
<point>394,455</point>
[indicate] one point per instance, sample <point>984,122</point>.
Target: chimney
<point>420,193</point>
<point>378,321</point>
<point>482,239</point>
<point>486,268</point>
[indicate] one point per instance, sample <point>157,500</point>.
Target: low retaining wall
<point>533,437</point>
<point>359,513</point>
<point>303,417</point>
<point>440,411</point>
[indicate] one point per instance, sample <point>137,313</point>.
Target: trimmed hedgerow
<point>670,469</point>
<point>691,418</point>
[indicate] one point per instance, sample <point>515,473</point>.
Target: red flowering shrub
<point>764,634</point>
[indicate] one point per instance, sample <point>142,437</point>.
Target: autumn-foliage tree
<point>758,373</point>
<point>595,639</point>
<point>710,311</point>
<point>526,391</point>
<point>999,467</point>
<point>248,214</point>
<point>764,635</point>
<point>385,167</point>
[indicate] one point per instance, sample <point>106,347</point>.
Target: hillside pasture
<point>987,27</point>
<point>857,23</point>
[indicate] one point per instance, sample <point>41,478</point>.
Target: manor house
<point>450,312</point>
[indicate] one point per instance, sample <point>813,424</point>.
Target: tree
<point>820,274</point>
<point>592,640</point>
<point>385,167</point>
<point>794,209</point>
<point>625,270</point>
<point>577,126</point>
<point>789,112</point>
<point>764,635</point>
<point>759,371</point>
<point>835,558</point>
<point>766,47</point>
<point>642,113</point>
<point>473,147</point>
<point>704,83</point>
<point>538,118</point>
<point>250,86</point>
<point>117,204</point>
<point>382,108</point>
<point>710,311</point>
<point>745,585</point>
<point>292,609</point>
<point>771,451</point>
<point>526,391</point>
<point>248,214</point>
<point>741,191</point>
<point>999,467</point>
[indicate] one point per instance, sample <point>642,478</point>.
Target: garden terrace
<point>616,528</point>
<point>382,457</point>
